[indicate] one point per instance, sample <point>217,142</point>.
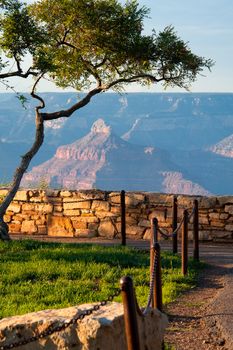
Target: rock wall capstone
<point>95,213</point>
<point>103,330</point>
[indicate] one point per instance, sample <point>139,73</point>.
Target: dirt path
<point>203,317</point>
<point>191,322</point>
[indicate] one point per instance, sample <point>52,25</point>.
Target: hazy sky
<point>208,27</point>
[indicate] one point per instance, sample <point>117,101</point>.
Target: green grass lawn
<point>36,275</point>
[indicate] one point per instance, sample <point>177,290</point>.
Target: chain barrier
<point>63,326</point>
<point>170,235</point>
<point>167,235</point>
<point>152,280</point>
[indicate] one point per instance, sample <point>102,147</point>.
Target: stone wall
<point>102,330</point>
<point>95,213</point>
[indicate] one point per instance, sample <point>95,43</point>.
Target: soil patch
<point>191,324</point>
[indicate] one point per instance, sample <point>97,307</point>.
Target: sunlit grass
<point>37,276</point>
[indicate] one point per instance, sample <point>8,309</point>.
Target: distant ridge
<point>224,147</point>
<point>102,159</point>
<point>184,125</point>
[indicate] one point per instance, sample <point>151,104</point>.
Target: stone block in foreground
<point>103,330</point>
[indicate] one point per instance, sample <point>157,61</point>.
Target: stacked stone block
<point>94,213</point>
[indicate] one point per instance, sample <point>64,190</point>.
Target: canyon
<point>167,142</point>
<point>103,160</point>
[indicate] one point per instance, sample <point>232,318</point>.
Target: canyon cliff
<point>102,159</point>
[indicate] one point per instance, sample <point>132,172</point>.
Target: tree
<point>19,36</point>
<point>95,46</point>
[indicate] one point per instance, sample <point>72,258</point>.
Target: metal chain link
<point>63,326</point>
<point>169,235</point>
<point>174,232</point>
<point>165,234</point>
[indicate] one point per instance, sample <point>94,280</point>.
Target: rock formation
<point>102,159</point>
<point>224,147</point>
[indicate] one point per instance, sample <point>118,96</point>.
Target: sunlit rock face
<point>105,160</point>
<point>75,165</point>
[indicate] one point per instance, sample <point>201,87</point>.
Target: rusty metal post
<point>196,231</point>
<point>155,254</point>
<point>185,243</point>
<point>153,240</point>
<point>130,313</point>
<point>157,296</point>
<point>123,226</point>
<point>154,231</point>
<point>174,225</point>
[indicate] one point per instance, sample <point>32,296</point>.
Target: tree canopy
<point>102,42</point>
<point>79,43</point>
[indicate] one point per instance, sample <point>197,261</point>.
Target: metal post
<point>195,231</point>
<point>154,231</point>
<point>157,296</point>
<point>174,225</point>
<point>153,240</point>
<point>123,226</point>
<point>130,313</point>
<point>155,254</point>
<point>185,243</point>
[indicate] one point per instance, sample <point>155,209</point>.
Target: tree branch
<point>134,79</point>
<point>19,73</point>
<point>92,70</point>
<point>68,112</point>
<point>100,64</point>
<point>34,95</point>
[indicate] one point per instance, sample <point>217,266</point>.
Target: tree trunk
<point>4,235</point>
<point>19,172</point>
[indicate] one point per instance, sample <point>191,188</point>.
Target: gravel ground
<point>192,321</point>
